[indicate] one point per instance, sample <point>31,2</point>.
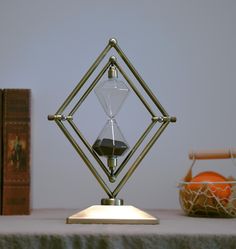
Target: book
<point>16,151</point>
<point>1,147</point>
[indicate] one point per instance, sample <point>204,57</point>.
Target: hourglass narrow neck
<point>110,142</point>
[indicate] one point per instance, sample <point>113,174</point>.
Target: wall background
<point>184,50</point>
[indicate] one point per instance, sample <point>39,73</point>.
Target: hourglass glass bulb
<point>112,92</point>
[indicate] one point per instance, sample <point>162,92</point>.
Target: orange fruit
<point>220,190</point>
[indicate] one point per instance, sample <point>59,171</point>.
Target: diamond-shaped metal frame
<point>59,118</point>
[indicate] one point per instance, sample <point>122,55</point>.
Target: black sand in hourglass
<point>110,148</point>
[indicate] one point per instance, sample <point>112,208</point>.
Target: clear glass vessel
<point>111,94</point>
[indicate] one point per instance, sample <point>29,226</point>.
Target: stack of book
<point>15,151</point>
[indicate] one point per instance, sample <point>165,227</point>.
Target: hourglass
<point>111,143</point>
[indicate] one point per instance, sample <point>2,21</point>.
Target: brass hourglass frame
<point>59,118</point>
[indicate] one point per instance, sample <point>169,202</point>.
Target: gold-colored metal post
<point>134,149</point>
<point>84,79</point>
<point>90,149</point>
<point>135,89</point>
<point>139,78</point>
<point>139,159</point>
<point>104,69</point>
<point>85,159</point>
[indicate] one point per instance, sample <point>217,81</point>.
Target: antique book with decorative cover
<point>16,152</point>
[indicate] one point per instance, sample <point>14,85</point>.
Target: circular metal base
<point>112,201</point>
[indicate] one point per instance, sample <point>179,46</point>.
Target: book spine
<point>16,152</point>
<point>1,147</point>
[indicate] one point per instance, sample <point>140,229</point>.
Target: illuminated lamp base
<point>103,214</point>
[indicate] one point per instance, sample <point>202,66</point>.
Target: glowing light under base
<point>102,214</point>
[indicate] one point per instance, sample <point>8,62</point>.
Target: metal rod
<point>139,159</point>
<point>135,89</point>
<point>141,81</point>
<point>84,79</point>
<point>89,147</point>
<point>85,159</point>
<point>136,146</point>
<point>90,88</point>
